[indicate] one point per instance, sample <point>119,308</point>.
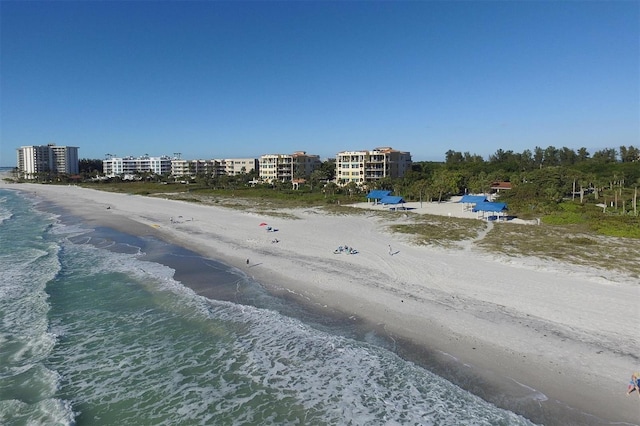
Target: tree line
<point>540,178</point>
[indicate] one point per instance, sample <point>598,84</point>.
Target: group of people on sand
<point>345,249</point>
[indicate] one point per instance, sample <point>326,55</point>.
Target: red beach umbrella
<point>263,224</point>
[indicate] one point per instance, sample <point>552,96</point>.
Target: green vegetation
<point>558,186</point>
<point>441,231</point>
<point>565,243</point>
<point>587,204</point>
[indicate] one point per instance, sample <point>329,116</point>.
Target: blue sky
<point>241,79</point>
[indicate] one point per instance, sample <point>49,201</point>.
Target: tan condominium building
<point>214,167</point>
<point>362,167</point>
<point>286,167</point>
<point>239,166</point>
<point>36,160</point>
<point>192,168</point>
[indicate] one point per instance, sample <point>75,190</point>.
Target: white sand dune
<point>554,334</point>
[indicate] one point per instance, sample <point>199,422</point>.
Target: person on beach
<point>634,384</point>
<point>247,261</point>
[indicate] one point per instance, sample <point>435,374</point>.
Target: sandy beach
<point>551,341</point>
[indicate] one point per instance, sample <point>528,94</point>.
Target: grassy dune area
<point>578,235</point>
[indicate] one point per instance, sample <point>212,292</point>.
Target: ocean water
<point>96,329</point>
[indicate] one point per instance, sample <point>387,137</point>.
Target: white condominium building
<point>39,159</point>
<point>363,167</point>
<point>127,166</point>
<point>286,167</point>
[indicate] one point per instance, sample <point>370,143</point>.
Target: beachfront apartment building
<point>214,167</point>
<point>192,168</point>
<point>239,166</point>
<point>287,167</point>
<point>35,160</point>
<point>363,167</point>
<point>130,166</point>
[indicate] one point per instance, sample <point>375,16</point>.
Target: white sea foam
<point>28,262</point>
<point>138,343</point>
<point>238,361</point>
<point>46,412</point>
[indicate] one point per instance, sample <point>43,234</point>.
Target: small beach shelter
<point>472,199</point>
<point>393,201</point>
<point>377,194</point>
<point>487,207</point>
<point>469,201</point>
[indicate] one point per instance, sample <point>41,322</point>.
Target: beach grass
<point>566,237</point>
<point>440,231</point>
<point>574,244</point>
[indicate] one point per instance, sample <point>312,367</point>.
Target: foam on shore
<point>561,337</point>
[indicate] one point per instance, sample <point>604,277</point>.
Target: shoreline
<point>519,332</point>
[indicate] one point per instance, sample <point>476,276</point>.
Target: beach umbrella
<point>263,224</point>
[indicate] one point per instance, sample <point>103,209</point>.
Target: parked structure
<point>286,167</point>
<point>39,159</point>
<point>362,167</point>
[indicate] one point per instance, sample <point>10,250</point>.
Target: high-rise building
<point>35,160</point>
<point>362,167</point>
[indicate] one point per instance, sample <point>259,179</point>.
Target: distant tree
<point>538,157</point>
<point>472,158</point>
<point>330,188</point>
<point>453,157</point>
<point>630,154</point>
<point>567,156</point>
<point>583,154</point>
<point>316,177</point>
<point>526,160</point>
<point>420,190</point>
<point>352,189</point>
<point>479,183</point>
<point>329,168</point>
<point>384,183</point>
<point>90,167</point>
<point>605,155</point>
<point>445,182</point>
<point>551,157</point>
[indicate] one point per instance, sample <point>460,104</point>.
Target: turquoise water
<point>94,333</point>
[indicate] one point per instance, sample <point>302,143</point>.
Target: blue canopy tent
<point>469,201</point>
<point>473,199</point>
<point>393,200</point>
<point>377,194</point>
<point>496,208</point>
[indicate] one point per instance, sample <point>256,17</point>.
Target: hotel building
<point>38,159</point>
<point>362,167</point>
